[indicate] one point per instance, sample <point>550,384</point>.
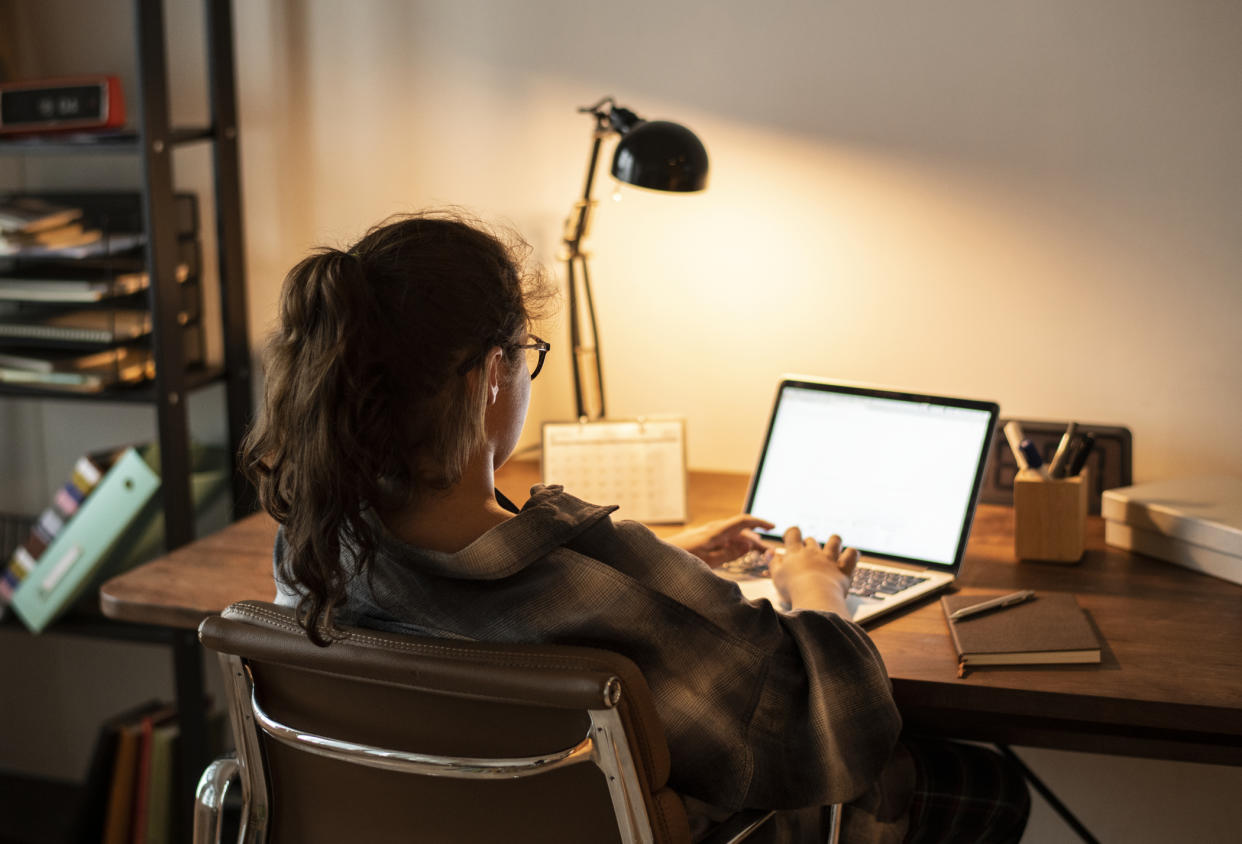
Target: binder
<point>65,569</point>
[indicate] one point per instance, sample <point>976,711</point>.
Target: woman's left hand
<point>722,540</point>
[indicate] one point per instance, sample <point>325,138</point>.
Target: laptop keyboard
<point>867,582</point>
<point>881,583</point>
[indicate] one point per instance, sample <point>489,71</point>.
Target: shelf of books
<point>130,792</point>
<point>74,314</point>
<point>102,300</point>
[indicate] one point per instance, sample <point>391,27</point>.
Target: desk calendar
<point>639,465</point>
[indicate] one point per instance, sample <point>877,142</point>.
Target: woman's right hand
<point>814,577</point>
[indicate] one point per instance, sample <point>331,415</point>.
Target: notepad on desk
<point>1048,629</point>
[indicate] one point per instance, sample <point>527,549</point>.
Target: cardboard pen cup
<point>1050,517</point>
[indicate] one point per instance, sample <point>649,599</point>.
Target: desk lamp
<point>654,154</point>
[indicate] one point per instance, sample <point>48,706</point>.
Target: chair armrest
<point>209,798</point>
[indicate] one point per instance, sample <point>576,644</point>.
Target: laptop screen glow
<point>893,478</point>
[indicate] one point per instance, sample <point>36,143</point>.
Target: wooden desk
<point>1170,685</point>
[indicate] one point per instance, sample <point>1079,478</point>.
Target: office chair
<point>383,737</point>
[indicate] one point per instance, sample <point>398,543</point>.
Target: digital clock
<point>77,104</point>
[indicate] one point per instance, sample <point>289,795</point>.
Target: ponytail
<point>315,478</point>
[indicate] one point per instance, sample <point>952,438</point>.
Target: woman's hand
<point>812,577</point>
<point>722,540</point>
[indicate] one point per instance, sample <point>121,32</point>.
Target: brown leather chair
<point>383,737</point>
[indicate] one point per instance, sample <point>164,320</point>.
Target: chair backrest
<point>384,737</point>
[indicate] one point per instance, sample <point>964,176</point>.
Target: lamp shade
<point>661,155</point>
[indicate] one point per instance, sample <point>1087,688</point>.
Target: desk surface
<point>1169,686</point>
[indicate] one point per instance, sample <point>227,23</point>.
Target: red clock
<point>77,103</point>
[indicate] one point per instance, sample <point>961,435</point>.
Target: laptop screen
<point>896,475</point>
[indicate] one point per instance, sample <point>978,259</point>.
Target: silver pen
<point>1056,468</point>
<point>1002,601</point>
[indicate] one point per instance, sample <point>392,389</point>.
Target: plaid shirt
<point>761,708</point>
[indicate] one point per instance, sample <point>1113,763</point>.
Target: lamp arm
<point>586,361</point>
<point>579,221</point>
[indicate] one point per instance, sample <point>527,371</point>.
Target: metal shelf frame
<point>153,140</point>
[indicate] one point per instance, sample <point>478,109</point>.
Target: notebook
<point>895,474</point>
<point>1048,629</point>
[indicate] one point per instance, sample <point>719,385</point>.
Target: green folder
<point>67,567</point>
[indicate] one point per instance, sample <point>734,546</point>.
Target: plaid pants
<point>962,794</point>
<point>965,793</point>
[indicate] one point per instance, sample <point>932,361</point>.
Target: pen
<point>1056,469</point>
<point>1086,443</point>
<point>1013,433</point>
<point>1002,601</point>
<point>1031,452</point>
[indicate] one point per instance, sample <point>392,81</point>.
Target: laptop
<point>895,474</point>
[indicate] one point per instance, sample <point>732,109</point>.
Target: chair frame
<point>603,745</point>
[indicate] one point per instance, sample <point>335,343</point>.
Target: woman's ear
<point>494,363</point>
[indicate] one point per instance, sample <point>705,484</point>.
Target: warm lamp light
<point>656,154</point>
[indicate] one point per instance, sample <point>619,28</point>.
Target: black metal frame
<point>154,142</point>
<point>587,364</point>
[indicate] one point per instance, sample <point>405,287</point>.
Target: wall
<point>1035,203</point>
<point>1024,202</point>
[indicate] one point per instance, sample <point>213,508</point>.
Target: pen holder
<point>1050,517</point>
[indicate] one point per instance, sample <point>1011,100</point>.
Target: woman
<point>398,381</point>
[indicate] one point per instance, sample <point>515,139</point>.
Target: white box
<point>1195,522</point>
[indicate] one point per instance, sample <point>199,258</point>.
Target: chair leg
<point>834,823</point>
<point>209,799</point>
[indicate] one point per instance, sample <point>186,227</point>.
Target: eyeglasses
<point>535,351</point>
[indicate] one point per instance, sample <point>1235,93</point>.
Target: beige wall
<point>1029,202</point>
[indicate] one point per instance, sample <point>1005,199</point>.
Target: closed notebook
<point>1047,629</point>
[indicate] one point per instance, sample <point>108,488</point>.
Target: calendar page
<point>639,465</point>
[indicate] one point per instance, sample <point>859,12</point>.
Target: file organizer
<point>67,567</point>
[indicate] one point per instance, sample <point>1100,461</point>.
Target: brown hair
<point>368,399</point>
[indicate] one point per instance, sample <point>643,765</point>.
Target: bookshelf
<point>152,141</point>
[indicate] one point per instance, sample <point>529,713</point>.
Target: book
<point>1202,510</point>
<point>111,325</point>
<point>134,260</point>
<point>118,211</point>
<point>70,234</point>
<point>119,816</point>
<point>72,290</point>
<point>30,214</point>
<point>88,825</point>
<point>145,783</point>
<point>107,244</point>
<point>53,360</point>
<point>72,559</point>
<point>159,800</point>
<point>122,365</point>
<point>57,283</point>
<point>1047,629</point>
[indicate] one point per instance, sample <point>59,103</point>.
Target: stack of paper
<point>29,225</point>
<point>1195,522</point>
